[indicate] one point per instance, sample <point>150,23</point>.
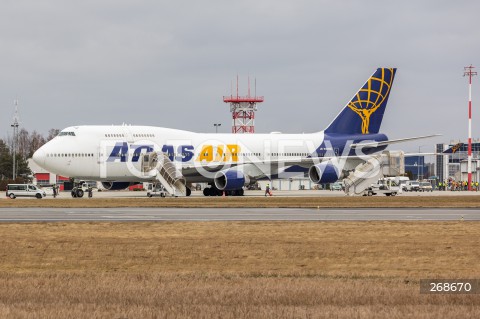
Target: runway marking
<point>127,216</point>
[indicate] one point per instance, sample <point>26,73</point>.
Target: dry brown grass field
<point>235,269</point>
<point>468,201</point>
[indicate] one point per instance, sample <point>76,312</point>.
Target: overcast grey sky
<point>168,63</point>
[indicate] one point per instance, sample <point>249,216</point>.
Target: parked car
<point>425,187</point>
<point>336,186</point>
<point>411,186</point>
<point>24,190</point>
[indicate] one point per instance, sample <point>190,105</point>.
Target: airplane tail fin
<point>364,113</point>
<point>453,149</point>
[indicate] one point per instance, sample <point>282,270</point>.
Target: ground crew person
<point>89,190</point>
<point>267,190</point>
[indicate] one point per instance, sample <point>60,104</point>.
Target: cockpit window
<point>66,133</point>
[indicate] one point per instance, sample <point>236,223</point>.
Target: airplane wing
<point>451,150</point>
<point>401,140</point>
<point>303,161</point>
<point>420,154</point>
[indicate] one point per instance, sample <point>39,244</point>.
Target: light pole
<point>15,133</point>
<point>418,163</point>
<point>216,126</point>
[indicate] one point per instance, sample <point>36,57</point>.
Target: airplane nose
<point>39,157</point>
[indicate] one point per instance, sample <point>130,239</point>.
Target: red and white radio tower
<point>468,70</point>
<point>243,110</point>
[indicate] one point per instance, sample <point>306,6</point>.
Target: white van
<point>24,190</point>
<point>401,181</point>
<point>411,186</point>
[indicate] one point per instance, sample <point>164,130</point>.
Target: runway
<point>233,214</point>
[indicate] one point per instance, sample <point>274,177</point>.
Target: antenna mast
<point>468,71</point>
<point>243,110</point>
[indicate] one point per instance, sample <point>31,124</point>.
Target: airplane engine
<point>115,186</point>
<point>230,180</point>
<point>324,173</point>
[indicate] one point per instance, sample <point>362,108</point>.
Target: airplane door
<point>100,156</point>
<point>128,134</point>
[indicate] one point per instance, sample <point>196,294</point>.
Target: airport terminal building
<point>455,165</point>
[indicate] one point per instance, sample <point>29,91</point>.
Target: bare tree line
<point>27,143</point>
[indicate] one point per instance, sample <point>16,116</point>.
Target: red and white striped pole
<point>468,71</point>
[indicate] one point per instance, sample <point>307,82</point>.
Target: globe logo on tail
<point>371,97</point>
<point>456,147</point>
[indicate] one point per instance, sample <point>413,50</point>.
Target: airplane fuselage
<point>114,153</point>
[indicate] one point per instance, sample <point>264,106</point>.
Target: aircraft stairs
<point>388,163</point>
<point>159,166</point>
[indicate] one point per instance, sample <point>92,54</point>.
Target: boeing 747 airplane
<point>120,156</point>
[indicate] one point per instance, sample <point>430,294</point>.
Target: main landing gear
<point>213,191</point>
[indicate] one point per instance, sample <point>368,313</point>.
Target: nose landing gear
<point>79,190</point>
